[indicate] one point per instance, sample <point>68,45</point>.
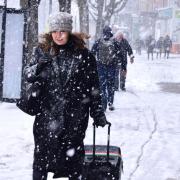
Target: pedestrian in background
<point>150,45</point>
<point>159,47</point>
<point>126,50</point>
<point>138,46</point>
<point>70,91</point>
<point>105,50</point>
<point>167,46</point>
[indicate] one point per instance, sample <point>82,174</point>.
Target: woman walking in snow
<point>67,74</point>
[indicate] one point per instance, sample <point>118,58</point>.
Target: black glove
<point>100,121</point>
<point>43,61</point>
<point>132,59</point>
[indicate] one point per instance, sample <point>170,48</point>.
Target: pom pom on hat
<point>61,21</point>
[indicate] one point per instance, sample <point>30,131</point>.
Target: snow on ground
<point>145,124</point>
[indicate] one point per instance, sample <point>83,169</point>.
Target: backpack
<point>107,51</point>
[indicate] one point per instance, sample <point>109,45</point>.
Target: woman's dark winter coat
<point>69,93</point>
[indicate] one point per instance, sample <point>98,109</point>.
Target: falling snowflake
<point>70,152</point>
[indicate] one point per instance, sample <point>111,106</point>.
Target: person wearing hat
<point>67,74</point>
<point>105,49</point>
<point>126,51</point>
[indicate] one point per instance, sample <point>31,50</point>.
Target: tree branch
<point>110,8</point>
<point>108,5</point>
<point>93,16</point>
<point>118,3</point>
<point>92,4</point>
<point>123,4</point>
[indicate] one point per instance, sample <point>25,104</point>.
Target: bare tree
<point>103,10</point>
<point>65,5</point>
<point>32,23</point>
<point>83,15</point>
<point>97,14</point>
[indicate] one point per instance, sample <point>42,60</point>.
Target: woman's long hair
<point>77,40</point>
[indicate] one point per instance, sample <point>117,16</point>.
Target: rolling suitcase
<point>102,162</point>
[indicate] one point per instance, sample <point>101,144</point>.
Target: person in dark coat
<point>126,49</point>
<point>159,47</point>
<point>138,45</point>
<point>150,45</point>
<point>106,55</point>
<point>69,92</point>
<point>167,46</point>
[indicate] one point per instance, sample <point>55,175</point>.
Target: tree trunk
<point>100,21</point>
<point>83,16</point>
<point>32,24</point>
<point>50,6</point>
<point>110,8</point>
<point>65,6</point>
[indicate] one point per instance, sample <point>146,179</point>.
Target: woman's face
<point>60,37</point>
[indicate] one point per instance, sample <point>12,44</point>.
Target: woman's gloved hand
<point>43,62</point>
<point>102,121</point>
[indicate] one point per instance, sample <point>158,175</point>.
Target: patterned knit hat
<point>107,32</point>
<point>61,21</point>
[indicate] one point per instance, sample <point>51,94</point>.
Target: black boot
<point>111,107</point>
<point>122,83</point>
<point>123,80</point>
<point>123,88</point>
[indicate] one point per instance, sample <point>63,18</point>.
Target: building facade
<point>168,23</point>
<point>164,17</point>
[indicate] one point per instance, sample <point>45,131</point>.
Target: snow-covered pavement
<point>145,124</point>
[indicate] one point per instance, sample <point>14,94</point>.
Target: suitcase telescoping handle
<point>94,141</point>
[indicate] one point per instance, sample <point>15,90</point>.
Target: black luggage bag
<point>102,162</point>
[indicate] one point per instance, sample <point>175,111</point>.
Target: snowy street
<point>145,124</point>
